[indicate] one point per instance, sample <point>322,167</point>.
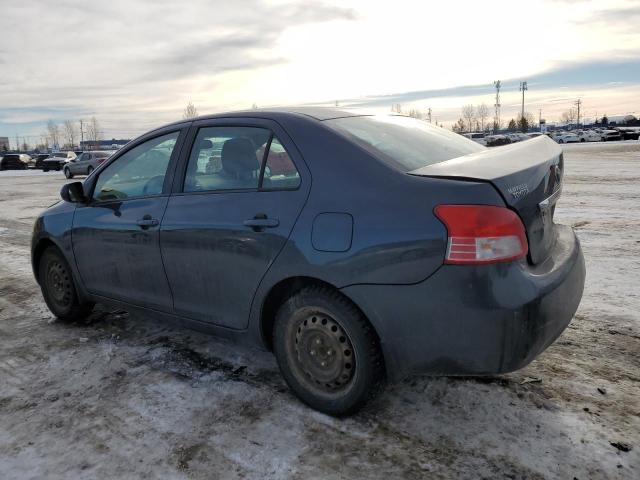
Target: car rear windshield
<point>403,142</point>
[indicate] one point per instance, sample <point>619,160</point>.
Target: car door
<point>116,235</point>
<point>241,187</point>
<point>75,165</point>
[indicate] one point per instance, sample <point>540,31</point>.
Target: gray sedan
<point>85,163</point>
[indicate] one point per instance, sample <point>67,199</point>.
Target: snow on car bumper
<point>476,320</point>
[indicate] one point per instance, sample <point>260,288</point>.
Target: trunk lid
<point>528,175</point>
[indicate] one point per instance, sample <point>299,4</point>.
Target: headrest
<point>206,145</point>
<point>239,156</point>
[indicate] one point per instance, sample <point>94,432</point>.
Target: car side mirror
<point>73,193</point>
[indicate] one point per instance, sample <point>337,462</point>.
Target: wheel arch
<point>38,250</point>
<point>284,289</point>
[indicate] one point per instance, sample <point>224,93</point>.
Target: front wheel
<point>327,351</point>
<point>59,292</point>
<point>67,173</point>
<point>560,141</point>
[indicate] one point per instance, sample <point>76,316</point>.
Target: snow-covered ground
<point>122,397</point>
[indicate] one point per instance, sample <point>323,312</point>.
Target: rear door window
<point>239,158</point>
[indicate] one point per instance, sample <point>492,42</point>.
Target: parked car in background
<point>497,140</point>
<point>629,133</point>
<point>477,137</point>
<point>458,269</point>
<point>15,161</point>
<point>610,135</point>
<point>85,163</point>
<point>534,134</point>
<point>39,159</point>
<point>57,161</point>
<point>588,136</point>
<point>565,137</point>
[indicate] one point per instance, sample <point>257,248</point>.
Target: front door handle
<point>146,222</point>
<point>260,222</point>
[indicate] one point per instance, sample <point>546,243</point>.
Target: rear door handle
<point>147,221</point>
<point>259,223</point>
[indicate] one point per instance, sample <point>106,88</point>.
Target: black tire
<point>58,289</point>
<point>67,173</point>
<point>89,170</point>
<point>45,169</point>
<point>347,366</point>
<point>560,141</point>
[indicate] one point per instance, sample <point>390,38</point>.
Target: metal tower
<point>496,119</point>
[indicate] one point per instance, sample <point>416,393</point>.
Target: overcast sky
<point>136,64</point>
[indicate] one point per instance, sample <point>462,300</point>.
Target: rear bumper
<point>476,320</point>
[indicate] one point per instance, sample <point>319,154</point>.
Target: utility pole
<point>578,103</point>
<point>81,135</point>
<point>496,120</point>
<point>17,143</point>
<point>523,88</point>
<point>429,114</point>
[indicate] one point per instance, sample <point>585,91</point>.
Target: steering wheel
<point>154,185</point>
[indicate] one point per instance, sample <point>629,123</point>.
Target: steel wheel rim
<point>59,284</point>
<point>324,353</point>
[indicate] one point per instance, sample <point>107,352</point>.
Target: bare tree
<point>190,111</point>
<point>415,113</point>
<point>53,131</point>
<point>396,108</point>
<point>482,113</point>
<point>458,127</point>
<point>569,116</point>
<point>70,133</point>
<point>469,114</point>
<point>94,131</point>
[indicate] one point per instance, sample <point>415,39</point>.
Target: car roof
<point>316,113</point>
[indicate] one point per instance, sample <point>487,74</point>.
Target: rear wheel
<point>67,173</point>
<point>58,289</point>
<point>327,351</point>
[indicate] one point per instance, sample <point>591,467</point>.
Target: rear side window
<point>231,158</point>
<point>280,172</point>
<point>404,143</point>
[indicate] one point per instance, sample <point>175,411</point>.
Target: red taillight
<point>482,234</point>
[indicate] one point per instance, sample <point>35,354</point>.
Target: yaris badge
<point>519,191</point>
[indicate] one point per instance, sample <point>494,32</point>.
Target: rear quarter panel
<point>396,238</point>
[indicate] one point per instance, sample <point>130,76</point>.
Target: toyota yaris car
<point>355,247</point>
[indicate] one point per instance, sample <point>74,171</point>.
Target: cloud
<point>136,63</point>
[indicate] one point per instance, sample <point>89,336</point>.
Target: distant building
<point>103,144</point>
<point>4,144</point>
